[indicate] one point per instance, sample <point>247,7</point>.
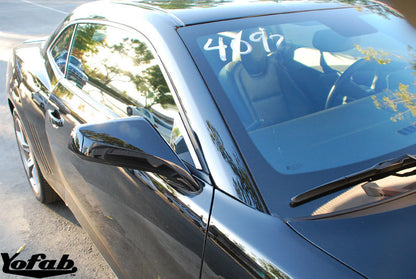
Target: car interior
<point>290,87</point>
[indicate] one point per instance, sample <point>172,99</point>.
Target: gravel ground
<point>48,229</point>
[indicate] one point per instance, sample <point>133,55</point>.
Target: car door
<point>32,93</point>
<point>144,227</point>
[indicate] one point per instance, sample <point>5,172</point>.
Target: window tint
<point>312,85</point>
<point>117,69</point>
<point>59,50</point>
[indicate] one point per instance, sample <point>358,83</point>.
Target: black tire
<point>41,189</point>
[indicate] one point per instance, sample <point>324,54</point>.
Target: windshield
<point>313,91</point>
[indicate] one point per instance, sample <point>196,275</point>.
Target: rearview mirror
<point>132,143</point>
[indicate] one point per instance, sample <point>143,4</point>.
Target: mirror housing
<point>132,143</point>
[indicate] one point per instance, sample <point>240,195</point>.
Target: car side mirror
<point>132,143</point>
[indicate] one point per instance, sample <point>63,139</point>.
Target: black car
<point>213,139</point>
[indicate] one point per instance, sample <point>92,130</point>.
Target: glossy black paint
<point>132,143</point>
<point>263,245</point>
<point>136,218</point>
<point>151,214</point>
<point>31,90</point>
<point>370,232</point>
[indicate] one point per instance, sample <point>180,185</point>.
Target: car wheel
<point>43,192</point>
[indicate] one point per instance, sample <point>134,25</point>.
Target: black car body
<point>223,140</point>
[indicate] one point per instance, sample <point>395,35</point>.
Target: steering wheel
<point>345,87</point>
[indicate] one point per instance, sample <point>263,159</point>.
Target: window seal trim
<point>192,144</point>
<point>52,62</point>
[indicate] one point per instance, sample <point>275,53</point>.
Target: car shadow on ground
<point>61,209</point>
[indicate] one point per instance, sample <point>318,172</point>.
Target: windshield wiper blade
<point>378,171</point>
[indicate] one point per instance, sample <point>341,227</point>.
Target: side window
<point>117,69</point>
<point>60,48</point>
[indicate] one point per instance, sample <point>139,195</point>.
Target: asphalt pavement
<point>51,230</point>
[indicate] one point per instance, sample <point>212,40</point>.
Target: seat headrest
<point>254,62</point>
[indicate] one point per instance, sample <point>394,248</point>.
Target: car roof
<point>183,13</point>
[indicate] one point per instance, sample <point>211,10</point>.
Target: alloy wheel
<point>26,155</point>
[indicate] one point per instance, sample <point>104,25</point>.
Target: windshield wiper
<point>378,171</point>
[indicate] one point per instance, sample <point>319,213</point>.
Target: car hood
<point>377,245</point>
